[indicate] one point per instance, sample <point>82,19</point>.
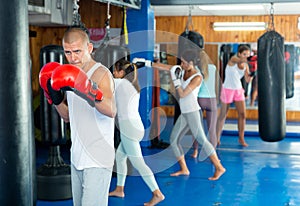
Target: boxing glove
<point>176,74</point>
<point>72,78</point>
<point>141,62</point>
<point>51,95</point>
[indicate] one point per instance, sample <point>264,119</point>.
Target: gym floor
<point>262,174</point>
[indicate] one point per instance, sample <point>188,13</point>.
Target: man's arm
<point>106,84</point>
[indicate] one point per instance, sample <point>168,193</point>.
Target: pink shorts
<point>231,95</point>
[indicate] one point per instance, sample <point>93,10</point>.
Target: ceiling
<point>184,8</point>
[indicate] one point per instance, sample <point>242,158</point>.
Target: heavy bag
<point>225,53</point>
<point>289,59</point>
<point>17,151</point>
<point>271,87</point>
<point>108,54</point>
<point>52,125</point>
<point>189,40</point>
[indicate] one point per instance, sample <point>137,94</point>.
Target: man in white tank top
<point>91,123</point>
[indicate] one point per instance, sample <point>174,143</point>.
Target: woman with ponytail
<point>131,131</point>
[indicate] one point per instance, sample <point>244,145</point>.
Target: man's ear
<point>90,47</point>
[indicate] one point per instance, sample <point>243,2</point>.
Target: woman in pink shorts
<point>232,91</point>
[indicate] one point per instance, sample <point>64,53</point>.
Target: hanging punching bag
<point>189,40</point>
<point>271,87</point>
<point>289,59</point>
<point>225,52</point>
<point>108,54</point>
<point>16,124</point>
<point>53,177</point>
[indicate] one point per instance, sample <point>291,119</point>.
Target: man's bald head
<point>72,34</point>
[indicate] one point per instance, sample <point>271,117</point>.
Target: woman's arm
<point>247,74</point>
<point>161,66</point>
<point>195,82</point>
<point>237,60</point>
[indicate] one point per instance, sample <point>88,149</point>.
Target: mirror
<point>169,51</point>
<point>292,64</point>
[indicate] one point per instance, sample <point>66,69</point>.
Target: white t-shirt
<point>189,103</point>
<point>92,133</point>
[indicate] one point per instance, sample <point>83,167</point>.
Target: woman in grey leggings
<point>187,84</point>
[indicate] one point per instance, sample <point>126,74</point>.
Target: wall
<point>285,25</point>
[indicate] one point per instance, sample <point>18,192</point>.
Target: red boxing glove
<point>69,77</point>
<point>44,77</point>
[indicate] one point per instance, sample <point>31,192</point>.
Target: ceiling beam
<point>206,2</point>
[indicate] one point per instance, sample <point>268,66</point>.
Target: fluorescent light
<point>222,7</point>
<point>239,26</point>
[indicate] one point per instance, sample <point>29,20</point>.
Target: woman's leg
<point>221,120</point>
<point>241,109</point>
<point>195,142</point>
<point>178,131</point>
<point>195,148</point>
<point>207,149</point>
<point>121,165</point>
<point>210,106</point>
<point>219,169</point>
<point>133,150</point>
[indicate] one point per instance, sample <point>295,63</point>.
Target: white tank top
<point>233,77</point>
<point>207,89</point>
<point>189,103</point>
<point>92,133</point>
<point>127,101</point>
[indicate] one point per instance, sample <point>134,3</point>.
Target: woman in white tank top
<point>131,131</point>
<point>232,91</point>
<point>189,118</point>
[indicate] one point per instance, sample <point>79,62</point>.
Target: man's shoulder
<point>102,69</point>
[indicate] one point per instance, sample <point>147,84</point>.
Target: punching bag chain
<point>107,24</point>
<point>189,21</point>
<point>76,15</point>
<point>271,20</point>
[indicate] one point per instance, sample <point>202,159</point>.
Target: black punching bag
<point>289,59</point>
<point>108,54</point>
<point>16,122</point>
<point>53,177</point>
<point>225,54</point>
<point>271,87</point>
<point>189,40</point>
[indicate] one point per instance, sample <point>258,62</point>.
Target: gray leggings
<point>184,123</point>
<point>210,106</point>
